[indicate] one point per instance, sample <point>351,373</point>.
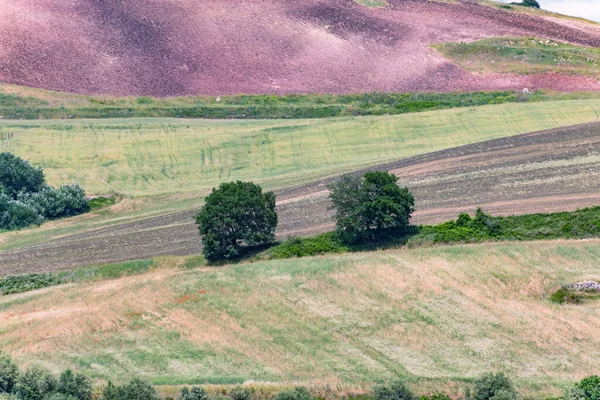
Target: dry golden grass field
<point>435,316</point>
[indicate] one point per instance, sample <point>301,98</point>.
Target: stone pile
<point>586,286</point>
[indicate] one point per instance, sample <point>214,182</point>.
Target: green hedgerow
<point>395,391</point>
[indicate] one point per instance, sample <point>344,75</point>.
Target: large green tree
<point>370,207</point>
<point>235,217</point>
<point>17,175</point>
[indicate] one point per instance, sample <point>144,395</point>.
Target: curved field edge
<point>434,316</point>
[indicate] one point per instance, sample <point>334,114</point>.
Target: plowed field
<point>551,170</point>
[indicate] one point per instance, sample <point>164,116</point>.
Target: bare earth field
<point>177,47</point>
<point>545,171</point>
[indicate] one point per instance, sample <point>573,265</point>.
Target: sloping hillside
<point>434,315</point>
<point>176,47</point>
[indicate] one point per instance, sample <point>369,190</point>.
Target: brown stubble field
<point>545,171</point>
<point>175,47</point>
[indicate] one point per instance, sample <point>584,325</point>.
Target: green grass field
<point>523,56</point>
<point>435,316</point>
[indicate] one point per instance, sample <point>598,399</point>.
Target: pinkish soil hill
<point>183,47</point>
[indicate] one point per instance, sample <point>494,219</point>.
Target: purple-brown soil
<point>215,47</point>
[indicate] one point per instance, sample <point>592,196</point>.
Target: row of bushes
<point>37,383</point>
<point>26,199</point>
<point>580,224</point>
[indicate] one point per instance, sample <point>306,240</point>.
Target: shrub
<point>298,393</point>
<point>25,283</point>
<point>17,215</point>
<point>9,373</point>
<point>436,396</point>
<point>66,201</point>
<point>75,385</point>
<point>590,387</point>
<point>196,393</point>
<point>302,247</point>
<point>17,175</point>
<point>491,385</point>
<point>112,392</point>
<point>137,389</point>
<point>236,216</point>
<point>35,384</point>
<point>394,391</point>
<point>530,3</point>
<point>240,393</point>
<point>370,207</point>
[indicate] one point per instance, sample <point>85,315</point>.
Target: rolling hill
<point>177,47</point>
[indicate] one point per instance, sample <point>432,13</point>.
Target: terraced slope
<point>176,47</point>
<point>435,316</point>
<point>545,171</point>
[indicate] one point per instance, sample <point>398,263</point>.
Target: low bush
<point>395,391</point>
<point>196,393</point>
<point>35,384</point>
<point>25,283</point>
<point>75,385</point>
<point>9,373</point>
<point>17,215</point>
<point>494,386</point>
<point>298,393</point>
<point>240,393</point>
<point>101,202</point>
<point>51,203</point>
<point>310,246</point>
<point>136,389</point>
<point>590,387</point>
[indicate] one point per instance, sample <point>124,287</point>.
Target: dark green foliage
<point>298,393</point>
<point>196,393</point>
<point>436,396</point>
<point>494,386</point>
<point>240,393</point>
<point>9,373</point>
<point>75,385</point>
<point>236,217</point>
<point>17,175</point>
<point>51,203</point>
<point>25,283</point>
<point>578,224</point>
<point>371,207</point>
<point>529,3</point>
<point>112,392</point>
<point>325,243</point>
<point>17,215</point>
<point>590,387</point>
<point>35,384</point>
<point>565,295</point>
<point>136,389</point>
<point>394,391</point>
<point>26,200</point>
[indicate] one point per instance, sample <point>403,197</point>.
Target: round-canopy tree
<point>370,207</point>
<point>235,217</point>
<point>17,175</point>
